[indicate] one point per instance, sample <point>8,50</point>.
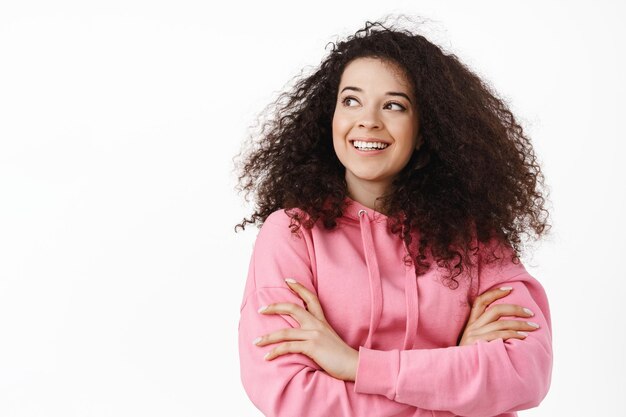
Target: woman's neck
<point>366,197</point>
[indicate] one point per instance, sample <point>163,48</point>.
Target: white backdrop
<point>121,276</point>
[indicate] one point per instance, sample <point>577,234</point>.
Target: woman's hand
<point>314,338</point>
<point>485,325</point>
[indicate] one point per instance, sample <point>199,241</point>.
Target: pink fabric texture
<point>405,327</point>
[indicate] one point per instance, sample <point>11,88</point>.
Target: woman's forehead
<point>375,74</point>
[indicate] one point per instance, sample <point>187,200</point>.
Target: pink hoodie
<point>405,329</point>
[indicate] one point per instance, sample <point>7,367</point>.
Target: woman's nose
<point>369,119</point>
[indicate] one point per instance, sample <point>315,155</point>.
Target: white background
<point>121,276</point>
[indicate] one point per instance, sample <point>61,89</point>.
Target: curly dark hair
<point>475,177</point>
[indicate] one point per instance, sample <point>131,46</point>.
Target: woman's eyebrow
<point>389,93</point>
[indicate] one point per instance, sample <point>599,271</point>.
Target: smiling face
<point>375,125</point>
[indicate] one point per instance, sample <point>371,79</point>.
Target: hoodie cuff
<point>377,372</point>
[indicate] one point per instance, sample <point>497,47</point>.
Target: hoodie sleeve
<point>293,384</point>
<point>483,379</point>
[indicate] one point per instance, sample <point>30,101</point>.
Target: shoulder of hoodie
<point>279,223</point>
<point>498,264</point>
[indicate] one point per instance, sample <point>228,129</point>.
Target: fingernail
<point>532,323</point>
<point>528,311</point>
<point>266,355</point>
<point>262,309</point>
<point>523,333</point>
<point>257,340</point>
<point>290,280</point>
<point>506,288</point>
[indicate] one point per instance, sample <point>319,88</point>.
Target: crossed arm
<point>309,370</point>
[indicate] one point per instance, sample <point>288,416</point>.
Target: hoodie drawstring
<point>376,291</point>
<point>412,310</point>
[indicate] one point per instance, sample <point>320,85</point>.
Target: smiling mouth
<point>369,146</point>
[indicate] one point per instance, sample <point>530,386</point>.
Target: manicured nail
<point>528,311</point>
<point>523,333</point>
<point>532,323</point>
<point>257,340</point>
<point>506,288</point>
<point>291,280</point>
<point>266,355</point>
<point>262,309</point>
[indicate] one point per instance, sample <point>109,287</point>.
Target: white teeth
<point>359,144</point>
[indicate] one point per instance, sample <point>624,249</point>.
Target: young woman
<point>393,189</point>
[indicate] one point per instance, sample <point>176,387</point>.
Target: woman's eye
<point>346,99</point>
<point>402,108</point>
